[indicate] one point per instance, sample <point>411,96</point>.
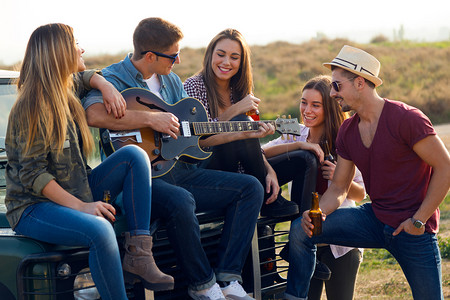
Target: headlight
<point>84,286</point>
<point>64,270</point>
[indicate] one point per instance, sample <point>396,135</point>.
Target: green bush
<point>444,247</point>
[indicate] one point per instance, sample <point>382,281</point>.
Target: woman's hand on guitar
<point>264,130</point>
<point>165,122</point>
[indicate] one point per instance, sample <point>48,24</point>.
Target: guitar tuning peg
<point>282,137</point>
<point>289,116</point>
<point>294,138</point>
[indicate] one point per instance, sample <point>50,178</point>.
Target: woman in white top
<point>322,117</point>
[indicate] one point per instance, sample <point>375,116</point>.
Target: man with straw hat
<point>406,171</point>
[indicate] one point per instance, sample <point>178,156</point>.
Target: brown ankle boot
<point>138,262</point>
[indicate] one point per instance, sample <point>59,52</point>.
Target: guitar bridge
<point>126,135</point>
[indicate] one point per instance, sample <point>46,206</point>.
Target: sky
<point>106,27</point>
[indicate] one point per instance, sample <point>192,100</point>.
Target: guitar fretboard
<point>204,128</point>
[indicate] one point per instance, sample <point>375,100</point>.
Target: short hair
<point>155,34</point>
<point>347,74</point>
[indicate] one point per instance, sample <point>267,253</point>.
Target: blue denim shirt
<point>124,75</point>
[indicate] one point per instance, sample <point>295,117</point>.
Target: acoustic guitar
<point>163,150</point>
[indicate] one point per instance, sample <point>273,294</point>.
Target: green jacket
<point>27,176</point>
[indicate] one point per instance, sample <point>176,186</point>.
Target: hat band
<point>352,65</point>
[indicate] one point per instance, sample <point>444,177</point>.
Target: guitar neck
<point>206,128</point>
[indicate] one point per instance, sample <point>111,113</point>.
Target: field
<point>380,276</point>
<point>412,72</point>
<point>416,73</point>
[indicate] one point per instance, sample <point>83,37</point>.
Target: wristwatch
<point>417,223</point>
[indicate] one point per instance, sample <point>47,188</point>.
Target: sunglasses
<point>173,58</point>
<point>336,85</point>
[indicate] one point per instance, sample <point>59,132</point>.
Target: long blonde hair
<point>46,102</point>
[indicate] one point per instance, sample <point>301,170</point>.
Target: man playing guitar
<point>185,189</point>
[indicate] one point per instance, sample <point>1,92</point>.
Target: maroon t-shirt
<point>395,177</point>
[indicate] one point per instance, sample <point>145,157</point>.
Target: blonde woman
<point>51,194</point>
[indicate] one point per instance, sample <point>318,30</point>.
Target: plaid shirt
<point>195,87</point>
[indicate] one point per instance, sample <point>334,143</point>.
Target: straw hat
<point>358,62</point>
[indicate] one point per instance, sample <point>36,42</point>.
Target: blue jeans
<point>126,169</point>
<point>186,190</point>
<point>418,256</point>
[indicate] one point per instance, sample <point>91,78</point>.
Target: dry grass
<point>416,73</point>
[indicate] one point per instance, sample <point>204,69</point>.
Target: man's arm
<point>432,151</point>
<point>340,185</point>
<point>97,116</point>
<point>336,192</point>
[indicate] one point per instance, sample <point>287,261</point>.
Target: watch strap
<point>417,223</point>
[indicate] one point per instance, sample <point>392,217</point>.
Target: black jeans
<point>343,275</point>
<point>246,153</point>
<point>298,166</point>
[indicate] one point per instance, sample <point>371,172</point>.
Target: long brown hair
<point>241,83</point>
<point>334,116</point>
<point>46,102</point>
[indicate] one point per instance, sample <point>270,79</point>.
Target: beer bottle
<point>107,199</point>
<point>107,196</point>
<point>328,155</point>
<point>316,215</point>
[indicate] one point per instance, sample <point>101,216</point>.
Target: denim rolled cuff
<point>204,285</point>
<point>93,97</point>
<point>41,181</point>
<point>290,297</point>
<point>228,277</point>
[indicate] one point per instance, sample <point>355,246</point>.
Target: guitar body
<point>163,150</point>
